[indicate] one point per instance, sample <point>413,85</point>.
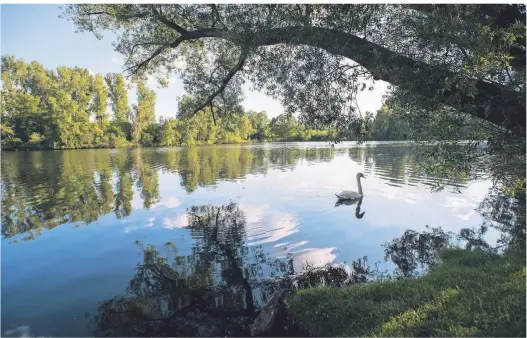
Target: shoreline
<point>330,143</point>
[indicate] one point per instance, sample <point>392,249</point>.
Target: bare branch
<point>142,44</point>
<point>200,33</point>
<point>156,53</point>
<point>145,62</point>
<point>212,74</point>
<point>212,111</point>
<point>224,83</point>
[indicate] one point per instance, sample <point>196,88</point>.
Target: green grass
<point>468,294</point>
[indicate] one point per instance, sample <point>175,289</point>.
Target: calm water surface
<point>82,227</point>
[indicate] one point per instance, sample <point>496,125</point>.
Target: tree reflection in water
<point>224,285</point>
<point>80,186</point>
<point>218,289</point>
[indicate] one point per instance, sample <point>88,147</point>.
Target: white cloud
<point>314,257</point>
<point>19,331</point>
<point>254,213</point>
<point>277,225</point>
<point>178,221</point>
<point>150,222</point>
<point>461,208</point>
<point>117,59</point>
<point>171,202</point>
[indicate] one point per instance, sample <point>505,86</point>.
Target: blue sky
<point>35,33</point>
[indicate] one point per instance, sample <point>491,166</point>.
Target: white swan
<point>351,195</point>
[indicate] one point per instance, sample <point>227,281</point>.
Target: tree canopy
<point>62,108</point>
<point>315,58</point>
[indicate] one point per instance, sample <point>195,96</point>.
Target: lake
<point>82,228</point>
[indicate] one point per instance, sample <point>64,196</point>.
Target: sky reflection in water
<point>72,220</point>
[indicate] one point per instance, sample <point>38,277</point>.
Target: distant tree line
<point>71,108</point>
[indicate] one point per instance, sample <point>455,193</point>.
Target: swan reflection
<point>358,214</point>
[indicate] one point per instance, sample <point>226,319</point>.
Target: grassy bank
<point>467,294</point>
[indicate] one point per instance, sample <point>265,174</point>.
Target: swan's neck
<point>360,186</point>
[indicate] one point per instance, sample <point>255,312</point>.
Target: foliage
<point>316,58</point>
<point>68,108</point>
<point>119,97</point>
<point>143,114</point>
<point>506,213</point>
<point>100,102</point>
<point>415,250</point>
<point>59,109</point>
<point>260,125</point>
<point>469,293</point>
